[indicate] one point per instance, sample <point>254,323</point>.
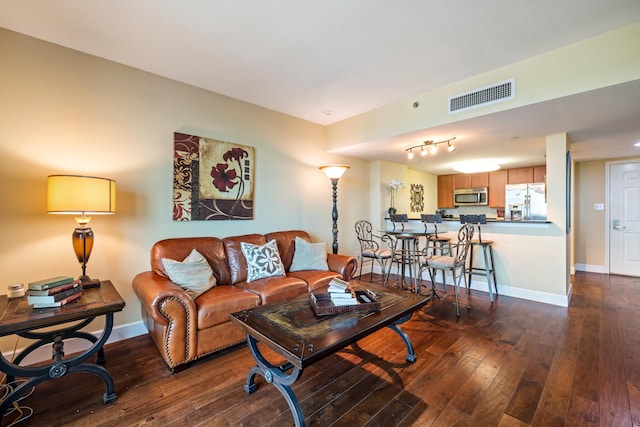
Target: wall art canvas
<point>212,180</point>
<point>417,197</point>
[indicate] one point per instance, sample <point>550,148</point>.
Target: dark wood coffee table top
<point>295,332</point>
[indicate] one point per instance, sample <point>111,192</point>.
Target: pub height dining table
<point>407,255</point>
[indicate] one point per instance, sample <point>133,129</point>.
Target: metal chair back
<point>398,218</point>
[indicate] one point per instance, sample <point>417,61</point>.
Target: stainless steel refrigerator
<point>525,202</point>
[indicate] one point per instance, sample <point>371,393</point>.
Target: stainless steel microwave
<point>470,196</point>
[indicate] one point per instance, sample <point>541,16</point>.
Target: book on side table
<point>49,283</point>
<point>54,292</point>
<point>59,303</point>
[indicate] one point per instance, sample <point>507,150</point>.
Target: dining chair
<point>375,248</point>
<point>455,262</point>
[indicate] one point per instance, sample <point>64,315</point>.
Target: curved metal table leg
<point>411,356</point>
<point>276,376</point>
<point>59,366</point>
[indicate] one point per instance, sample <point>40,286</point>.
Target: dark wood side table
<point>17,317</point>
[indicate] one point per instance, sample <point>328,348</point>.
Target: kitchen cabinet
<point>520,175</point>
<point>480,179</point>
<point>527,175</point>
<point>470,180</point>
<point>497,181</point>
<point>461,180</point>
<point>445,191</point>
<point>539,173</point>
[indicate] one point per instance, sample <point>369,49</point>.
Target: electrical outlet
<point>598,206</point>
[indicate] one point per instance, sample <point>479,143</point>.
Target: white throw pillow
<point>309,256</point>
<point>193,274</point>
<point>262,261</point>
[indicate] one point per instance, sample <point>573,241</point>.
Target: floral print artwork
<point>212,180</point>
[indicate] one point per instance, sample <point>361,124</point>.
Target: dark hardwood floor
<point>510,363</point>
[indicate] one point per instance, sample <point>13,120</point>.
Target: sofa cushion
<point>193,274</point>
<point>235,257</point>
<point>315,279</point>
<point>309,256</point>
<point>276,289</point>
<point>178,248</point>
<point>215,305</point>
<point>286,243</point>
<point>262,260</point>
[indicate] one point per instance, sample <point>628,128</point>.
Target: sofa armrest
<point>174,313</point>
<point>343,264</point>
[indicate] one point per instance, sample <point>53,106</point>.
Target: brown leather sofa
<point>186,329</point>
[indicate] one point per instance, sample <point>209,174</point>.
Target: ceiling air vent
<point>483,96</point>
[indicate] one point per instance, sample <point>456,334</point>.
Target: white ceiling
<point>303,58</point>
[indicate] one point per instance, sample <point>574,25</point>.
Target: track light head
<point>410,154</point>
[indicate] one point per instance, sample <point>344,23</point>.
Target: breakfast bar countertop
<point>489,220</point>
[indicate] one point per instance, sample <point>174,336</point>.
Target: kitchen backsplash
<point>470,210</point>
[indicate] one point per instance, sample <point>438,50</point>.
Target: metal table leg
<point>411,356</point>
<point>276,376</point>
<point>60,366</point>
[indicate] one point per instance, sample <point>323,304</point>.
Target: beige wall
<point>589,231</point>
<point>430,184</point>
<point>590,225</point>
<point>66,112</point>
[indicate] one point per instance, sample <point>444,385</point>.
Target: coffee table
<point>19,318</point>
<point>296,333</point>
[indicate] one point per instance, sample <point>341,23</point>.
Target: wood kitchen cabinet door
<point>461,180</point>
<point>480,179</point>
<point>497,181</point>
<point>539,173</point>
<point>470,180</point>
<point>520,175</point>
<point>445,191</point>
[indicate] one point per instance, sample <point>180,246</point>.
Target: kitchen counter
<point>489,220</point>
<point>517,246</point>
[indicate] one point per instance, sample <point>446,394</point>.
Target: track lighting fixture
<point>430,147</point>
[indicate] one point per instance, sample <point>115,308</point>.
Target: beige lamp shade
<point>334,171</point>
<point>72,194</point>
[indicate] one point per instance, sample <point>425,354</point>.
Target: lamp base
<point>87,282</point>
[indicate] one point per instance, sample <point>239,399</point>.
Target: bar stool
<point>406,249</point>
<point>398,219</point>
<point>440,244</point>
<point>487,251</point>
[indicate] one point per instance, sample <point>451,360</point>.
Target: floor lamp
<point>334,172</point>
<point>81,195</point>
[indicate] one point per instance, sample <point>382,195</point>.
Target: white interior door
<point>624,219</point>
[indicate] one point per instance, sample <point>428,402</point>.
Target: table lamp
<point>81,195</point>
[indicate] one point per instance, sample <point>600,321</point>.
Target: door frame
<point>607,212</point>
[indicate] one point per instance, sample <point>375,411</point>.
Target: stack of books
<point>54,292</point>
<point>341,293</point>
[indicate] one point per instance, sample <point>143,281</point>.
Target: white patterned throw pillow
<point>262,261</point>
<point>309,256</point>
<point>193,274</point>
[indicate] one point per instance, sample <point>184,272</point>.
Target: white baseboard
<point>589,268</point>
<point>510,291</point>
<point>75,345</point>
